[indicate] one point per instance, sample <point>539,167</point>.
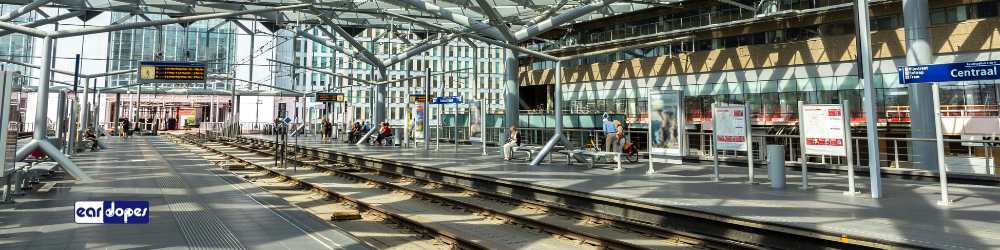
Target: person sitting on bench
<point>355,133</point>
<point>513,140</point>
<point>383,133</point>
<point>89,136</point>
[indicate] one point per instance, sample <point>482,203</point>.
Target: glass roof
<point>517,14</point>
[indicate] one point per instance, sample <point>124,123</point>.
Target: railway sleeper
<point>508,219</point>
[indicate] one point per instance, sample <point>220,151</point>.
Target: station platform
<point>908,213</point>
<point>192,205</point>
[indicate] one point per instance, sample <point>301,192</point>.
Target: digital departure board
<point>154,71</point>
<point>329,97</point>
<point>418,98</point>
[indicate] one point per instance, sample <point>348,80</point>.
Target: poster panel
<point>823,128</point>
<point>417,122</point>
<point>475,128</point>
<point>730,127</point>
<point>666,123</point>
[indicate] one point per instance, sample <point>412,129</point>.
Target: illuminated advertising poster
<point>666,123</point>
<point>417,122</point>
<point>823,127</point>
<point>475,128</point>
<point>730,127</point>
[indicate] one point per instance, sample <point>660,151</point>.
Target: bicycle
<point>594,144</point>
<point>631,152</point>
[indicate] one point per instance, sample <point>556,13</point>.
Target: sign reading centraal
<point>447,100</point>
<point>966,71</point>
<point>156,71</point>
<point>730,127</point>
<point>330,97</point>
<point>823,126</point>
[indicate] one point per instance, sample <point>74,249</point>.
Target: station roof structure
<point>505,23</point>
<point>515,15</point>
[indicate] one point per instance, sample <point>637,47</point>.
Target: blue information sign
<point>952,72</point>
<point>447,100</point>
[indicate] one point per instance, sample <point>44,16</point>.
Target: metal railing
<point>970,157</point>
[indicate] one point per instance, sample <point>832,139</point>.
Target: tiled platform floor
<point>908,212</point>
<point>192,206</point>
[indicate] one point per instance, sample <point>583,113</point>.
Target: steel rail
<point>605,242</point>
<point>693,223</point>
<point>444,236</point>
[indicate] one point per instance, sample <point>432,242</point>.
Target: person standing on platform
<point>327,130</point>
<point>126,128</point>
<point>619,136</point>
<point>513,140</point>
<point>609,135</point>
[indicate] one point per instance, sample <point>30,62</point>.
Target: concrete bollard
<point>776,165</point>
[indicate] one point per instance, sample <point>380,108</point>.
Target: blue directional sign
<point>447,100</point>
<point>967,71</point>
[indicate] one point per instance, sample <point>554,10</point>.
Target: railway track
<point>463,217</point>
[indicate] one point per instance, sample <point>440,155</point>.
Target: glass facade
<point>16,46</point>
<point>942,15</point>
<point>457,55</point>
<point>193,42</point>
<point>774,100</point>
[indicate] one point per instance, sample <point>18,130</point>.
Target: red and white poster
<point>730,127</point>
<point>823,128</point>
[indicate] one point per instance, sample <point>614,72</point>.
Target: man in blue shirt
<point>609,135</point>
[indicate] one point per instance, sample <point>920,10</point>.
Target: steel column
<point>558,118</point>
<point>39,137</point>
<point>427,110</point>
<point>921,96</point>
<point>512,97</point>
<point>865,71</point>
<point>60,122</point>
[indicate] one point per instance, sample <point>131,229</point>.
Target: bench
<point>534,149</point>
<point>391,139</point>
<point>40,169</point>
<point>593,156</point>
<point>16,176</point>
<point>84,145</point>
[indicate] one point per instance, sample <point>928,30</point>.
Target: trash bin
<point>776,165</point>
